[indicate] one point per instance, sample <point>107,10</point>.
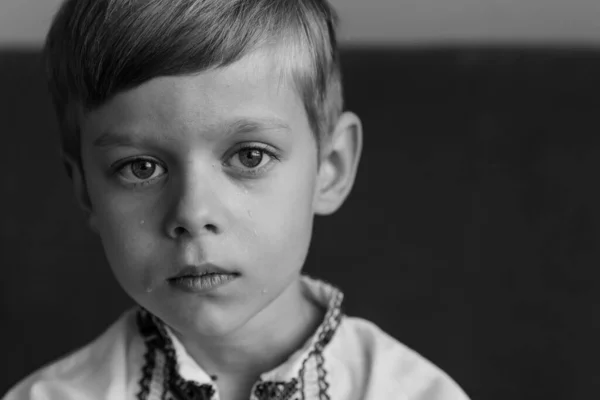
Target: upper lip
<point>199,270</point>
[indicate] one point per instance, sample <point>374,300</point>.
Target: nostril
<point>211,228</point>
<point>179,231</point>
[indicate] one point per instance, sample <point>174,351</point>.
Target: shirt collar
<point>168,368</point>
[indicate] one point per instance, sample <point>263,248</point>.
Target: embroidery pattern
<point>160,378</point>
<point>276,390</point>
<point>313,375</point>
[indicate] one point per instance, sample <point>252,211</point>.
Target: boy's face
<point>219,167</point>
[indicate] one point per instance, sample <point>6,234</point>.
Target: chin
<point>206,319</point>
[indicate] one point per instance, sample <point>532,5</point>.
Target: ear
<point>339,161</point>
<point>75,172</point>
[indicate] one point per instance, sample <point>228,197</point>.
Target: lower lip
<point>198,284</point>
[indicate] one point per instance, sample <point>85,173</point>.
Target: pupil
<point>143,169</point>
<point>251,158</point>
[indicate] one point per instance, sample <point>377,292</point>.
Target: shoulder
<point>387,368</point>
<point>90,372</point>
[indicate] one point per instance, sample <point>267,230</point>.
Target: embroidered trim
<point>164,383</point>
<point>161,380</point>
<point>322,377</point>
<point>268,390</point>
<point>149,357</point>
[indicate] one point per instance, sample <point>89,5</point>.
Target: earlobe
<point>75,172</point>
<point>339,163</point>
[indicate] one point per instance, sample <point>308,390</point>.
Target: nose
<point>195,208</point>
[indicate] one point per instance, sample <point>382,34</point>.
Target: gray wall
<point>25,22</point>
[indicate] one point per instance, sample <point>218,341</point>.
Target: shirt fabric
<point>347,358</point>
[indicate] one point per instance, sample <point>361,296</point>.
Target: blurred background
<point>475,211</point>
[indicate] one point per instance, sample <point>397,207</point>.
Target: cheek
<point>118,220</point>
<point>125,239</point>
<point>283,223</point>
<point>121,216</point>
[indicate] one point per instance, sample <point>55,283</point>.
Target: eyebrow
<point>112,139</point>
<point>248,125</point>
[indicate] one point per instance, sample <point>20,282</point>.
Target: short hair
<point>98,48</point>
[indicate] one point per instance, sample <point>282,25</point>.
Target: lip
<point>201,270</point>
<point>201,278</point>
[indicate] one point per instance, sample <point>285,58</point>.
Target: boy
<point>202,136</point>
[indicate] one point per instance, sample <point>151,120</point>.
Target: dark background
<point>471,234</point>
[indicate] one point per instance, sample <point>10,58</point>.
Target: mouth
<point>201,278</point>
<point>202,270</point>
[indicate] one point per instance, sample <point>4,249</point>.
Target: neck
<point>258,347</point>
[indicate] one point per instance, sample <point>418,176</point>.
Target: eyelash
<point>264,149</point>
<point>251,172</point>
<point>120,166</point>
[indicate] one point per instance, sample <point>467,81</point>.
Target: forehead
<point>255,87</point>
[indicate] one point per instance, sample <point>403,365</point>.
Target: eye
<point>252,158</point>
<point>141,170</point>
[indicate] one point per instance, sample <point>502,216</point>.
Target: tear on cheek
<point>149,284</point>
